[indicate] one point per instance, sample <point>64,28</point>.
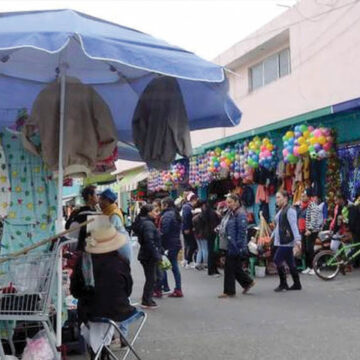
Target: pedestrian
<point>287,237</point>
<point>187,228</point>
<point>170,229</point>
<point>101,280</point>
<point>337,221</point>
<point>157,211</point>
<point>107,202</point>
<point>237,250</point>
<point>149,253</point>
<point>205,224</point>
<point>313,224</point>
<point>80,215</point>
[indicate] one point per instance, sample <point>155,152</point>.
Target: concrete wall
<point>325,64</point>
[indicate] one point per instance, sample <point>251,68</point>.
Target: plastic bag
<point>165,263</point>
<point>38,348</point>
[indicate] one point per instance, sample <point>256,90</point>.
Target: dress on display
<point>33,206</point>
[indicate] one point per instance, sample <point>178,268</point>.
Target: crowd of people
<point>187,232</point>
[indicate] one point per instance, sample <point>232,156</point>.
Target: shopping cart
<point>26,282</point>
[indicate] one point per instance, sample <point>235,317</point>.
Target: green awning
<point>132,178</point>
<point>100,179</point>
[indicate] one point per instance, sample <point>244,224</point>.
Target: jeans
<point>285,254</point>
<point>234,271</point>
<point>172,255</point>
<point>150,276</point>
<point>190,246</point>
<point>202,254</point>
<point>212,268</point>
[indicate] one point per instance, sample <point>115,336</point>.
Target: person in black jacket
<point>80,215</point>
<point>170,228</point>
<point>149,253</point>
<point>204,228</point>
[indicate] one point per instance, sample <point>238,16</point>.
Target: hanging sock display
<point>32,212</point>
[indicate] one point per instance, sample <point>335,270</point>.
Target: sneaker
<point>225,296</point>
<point>187,266</point>
<point>192,265</point>
<point>311,272</point>
<point>152,305</point>
<point>176,294</point>
<point>306,271</point>
<point>199,267</point>
<point>216,275</point>
<point>157,294</point>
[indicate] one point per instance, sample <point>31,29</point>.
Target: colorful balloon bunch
<point>155,181</point>
<point>221,159</point>
<point>306,139</point>
<point>241,166</point>
<point>168,179</point>
<point>254,152</point>
<point>320,143</point>
<point>267,157</point>
<point>198,172</point>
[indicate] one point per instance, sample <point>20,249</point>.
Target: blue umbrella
<point>38,47</point>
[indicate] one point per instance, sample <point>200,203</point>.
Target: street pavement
<point>320,322</point>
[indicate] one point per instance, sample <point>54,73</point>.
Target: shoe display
<point>176,294</point>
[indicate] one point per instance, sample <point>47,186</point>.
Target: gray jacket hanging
<point>160,124</point>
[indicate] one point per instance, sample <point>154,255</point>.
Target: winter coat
<point>187,217</point>
<point>205,228</point>
<point>160,124</point>
<point>236,231</point>
<point>170,228</point>
<point>113,286</point>
<point>87,116</point>
<point>149,239</point>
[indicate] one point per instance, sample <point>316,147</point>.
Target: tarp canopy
<point>119,62</point>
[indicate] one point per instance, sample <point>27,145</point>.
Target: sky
<point>205,27</point>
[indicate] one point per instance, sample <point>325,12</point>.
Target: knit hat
<point>110,195</point>
<point>104,240</point>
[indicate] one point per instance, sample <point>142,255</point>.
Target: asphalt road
<point>320,322</point>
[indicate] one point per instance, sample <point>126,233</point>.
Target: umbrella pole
<point>59,224</point>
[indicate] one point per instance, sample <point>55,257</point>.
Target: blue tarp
<point>119,62</point>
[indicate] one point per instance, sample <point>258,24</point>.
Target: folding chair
<point>139,315</point>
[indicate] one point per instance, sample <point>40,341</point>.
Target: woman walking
<point>204,229</point>
<point>149,253</point>
<point>287,237</point>
<point>170,228</point>
<point>237,251</point>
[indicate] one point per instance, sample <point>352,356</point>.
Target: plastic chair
<point>139,315</point>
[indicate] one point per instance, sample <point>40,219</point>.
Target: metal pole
<point>60,195</point>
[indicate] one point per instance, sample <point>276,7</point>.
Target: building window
<point>270,69</point>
